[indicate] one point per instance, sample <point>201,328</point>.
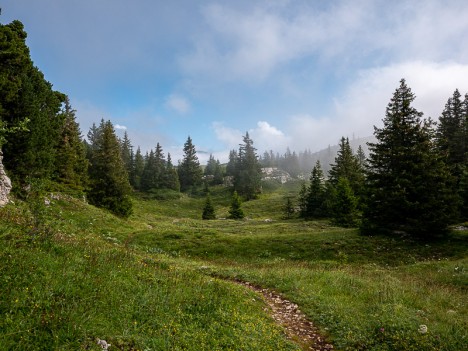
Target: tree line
<point>414,180</point>
<point>41,140</point>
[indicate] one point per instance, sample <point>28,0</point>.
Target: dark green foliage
<point>302,200</point>
<point>288,208</point>
<point>71,162</point>
<point>235,211</point>
<point>247,173</point>
<point>15,66</point>
<point>208,209</point>
<point>190,173</point>
<point>154,173</point>
<point>172,178</point>
<point>126,150</point>
<point>452,142</point>
<point>345,213</point>
<point>109,185</point>
<point>289,162</point>
<point>93,136</point>
<point>31,153</point>
<point>361,157</point>
<point>210,166</point>
<point>347,165</point>
<point>450,131</point>
<point>316,193</point>
<point>408,185</point>
<point>328,204</point>
<point>42,139</point>
<point>213,171</point>
<point>138,167</point>
<point>232,164</point>
<point>148,176</point>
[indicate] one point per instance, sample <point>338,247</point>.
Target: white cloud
<point>366,99</point>
<point>118,126</point>
<point>250,45</point>
<point>178,104</point>
<point>264,136</point>
<point>361,106</point>
<point>268,137</point>
<point>229,137</point>
<point>364,102</point>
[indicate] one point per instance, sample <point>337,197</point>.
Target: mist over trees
<point>413,180</point>
<point>246,170</point>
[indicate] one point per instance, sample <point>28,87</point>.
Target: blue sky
<point>292,73</point>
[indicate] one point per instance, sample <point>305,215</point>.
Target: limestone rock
<point>5,184</point>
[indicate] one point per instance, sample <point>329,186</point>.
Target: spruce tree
<point>452,144</point>
<point>218,174</point>
<point>210,166</point>
<point>214,170</point>
<point>109,186</point>
<point>72,165</point>
<point>15,65</point>
<point>235,211</point>
<point>406,181</point>
<point>126,150</point>
<point>450,132</point>
<point>345,211</point>
<point>347,166</point>
<point>190,173</point>
<point>231,166</point>
<point>288,208</point>
<point>172,178</point>
<point>361,157</point>
<point>208,209</point>
<point>463,180</point>
<point>31,153</point>
<point>159,168</point>
<point>137,170</point>
<point>148,180</point>
<point>248,174</point>
<point>302,200</point>
<point>316,193</point>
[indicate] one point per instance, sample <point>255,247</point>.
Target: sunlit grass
<point>160,280</point>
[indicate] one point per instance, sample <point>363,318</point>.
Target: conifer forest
<point>109,246</point>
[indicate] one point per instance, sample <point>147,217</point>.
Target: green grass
<point>161,279</point>
<point>62,291</point>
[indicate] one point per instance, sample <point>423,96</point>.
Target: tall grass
<point>70,273</point>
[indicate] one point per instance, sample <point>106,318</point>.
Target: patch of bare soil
<point>297,327</point>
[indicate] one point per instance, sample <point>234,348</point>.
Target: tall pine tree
<point>126,150</point>
<point>452,143</point>
<point>72,165</point>
<point>407,182</point>
<point>248,174</point>
<point>138,167</point>
<point>109,185</point>
<point>316,193</point>
<point>347,166</point>
<point>190,173</point>
<point>172,178</point>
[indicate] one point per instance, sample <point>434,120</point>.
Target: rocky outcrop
<point>5,184</point>
<point>274,173</point>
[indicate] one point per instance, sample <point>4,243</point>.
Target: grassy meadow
<point>163,279</point>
